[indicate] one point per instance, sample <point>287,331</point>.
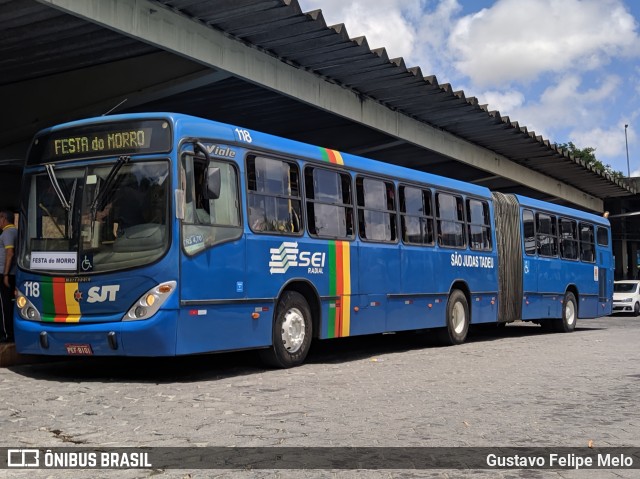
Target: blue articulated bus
<point>163,234</point>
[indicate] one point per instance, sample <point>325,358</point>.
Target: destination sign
<point>102,139</point>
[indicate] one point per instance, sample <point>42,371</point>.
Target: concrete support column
<point>632,248</point>
<point>619,261</point>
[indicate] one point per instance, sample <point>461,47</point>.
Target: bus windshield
<point>95,218</point>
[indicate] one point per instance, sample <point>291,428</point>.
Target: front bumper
<point>623,307</point>
<point>152,337</point>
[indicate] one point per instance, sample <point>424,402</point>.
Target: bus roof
<point>311,152</point>
<point>199,127</point>
<point>561,210</point>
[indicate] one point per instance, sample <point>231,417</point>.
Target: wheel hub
<point>293,330</point>
<point>458,318</point>
<point>570,313</point>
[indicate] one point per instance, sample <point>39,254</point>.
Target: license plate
<point>79,349</point>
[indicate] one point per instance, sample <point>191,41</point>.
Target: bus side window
<point>528,225</point>
<point>274,200</point>
<point>479,225</point>
<point>329,203</point>
<point>451,225</point>
<point>603,236</point>
<point>568,239</point>
<point>547,236</point>
<point>376,210</point>
<point>587,243</point>
<point>416,216</point>
<point>208,222</point>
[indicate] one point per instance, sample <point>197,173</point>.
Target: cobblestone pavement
<point>518,386</point>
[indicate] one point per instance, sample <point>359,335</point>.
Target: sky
<point>568,70</point>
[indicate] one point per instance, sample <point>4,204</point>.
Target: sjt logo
<point>99,294</point>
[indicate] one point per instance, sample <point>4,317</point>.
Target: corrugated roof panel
<point>37,40</point>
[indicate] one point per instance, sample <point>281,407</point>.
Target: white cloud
<point>417,30</point>
<point>564,104</point>
<point>518,40</point>
<point>504,101</point>
<point>609,145</point>
<point>434,28</point>
<point>388,24</point>
<point>559,67</point>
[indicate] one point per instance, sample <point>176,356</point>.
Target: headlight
<point>150,302</point>
<point>626,300</point>
<point>26,309</point>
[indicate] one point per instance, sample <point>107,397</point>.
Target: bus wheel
<point>567,323</point>
<point>292,332</point>
<point>455,332</point>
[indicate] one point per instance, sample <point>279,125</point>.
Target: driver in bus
<point>128,207</point>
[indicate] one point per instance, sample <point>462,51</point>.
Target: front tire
<point>636,309</point>
<point>292,332</point>
<point>458,319</point>
<point>569,314</point>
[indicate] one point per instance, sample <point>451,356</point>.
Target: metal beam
<point>169,30</point>
<point>379,147</point>
<point>65,96</point>
<point>485,179</point>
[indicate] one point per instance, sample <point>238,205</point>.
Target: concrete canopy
<point>266,65</point>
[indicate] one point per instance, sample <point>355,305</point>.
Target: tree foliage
<point>588,155</point>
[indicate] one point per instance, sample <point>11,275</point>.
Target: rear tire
<point>458,319</point>
<point>567,323</point>
<point>292,332</point>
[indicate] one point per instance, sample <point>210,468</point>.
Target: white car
<point>626,297</point>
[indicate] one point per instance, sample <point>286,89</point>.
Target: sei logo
<point>100,294</point>
<point>288,255</point>
<point>314,262</point>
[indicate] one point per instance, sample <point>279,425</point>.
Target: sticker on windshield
<point>54,260</point>
<point>193,243</point>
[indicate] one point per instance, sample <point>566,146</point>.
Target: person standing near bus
<point>8,263</point>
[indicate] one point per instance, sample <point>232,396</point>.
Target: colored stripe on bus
<point>59,296</point>
<point>339,324</point>
<point>332,156</point>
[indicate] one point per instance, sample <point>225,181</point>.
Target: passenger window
<point>547,235</point>
<point>208,222</point>
<point>587,243</point>
<point>376,210</point>
<point>274,199</point>
<point>479,225</point>
<point>416,216</point>
<point>329,203</point>
<point>603,236</point>
<point>528,226</point>
<point>450,214</point>
<point>568,239</point>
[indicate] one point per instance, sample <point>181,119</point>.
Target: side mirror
<point>212,187</point>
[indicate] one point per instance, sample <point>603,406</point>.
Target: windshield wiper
<point>72,198</point>
<point>101,194</point>
<point>56,186</point>
<point>66,204</point>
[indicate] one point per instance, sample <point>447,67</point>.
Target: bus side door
<point>379,253</point>
<point>530,304</point>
